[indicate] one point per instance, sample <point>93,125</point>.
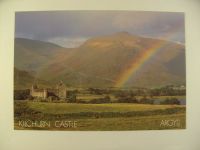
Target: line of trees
<point>164,91</point>
<point>120,97</point>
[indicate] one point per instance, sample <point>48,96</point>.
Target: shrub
<point>21,94</point>
<point>52,98</point>
<point>127,99</point>
<point>81,101</point>
<point>105,99</point>
<point>30,97</point>
<point>71,97</point>
<point>172,101</point>
<point>146,100</point>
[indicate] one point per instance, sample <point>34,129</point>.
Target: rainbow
<point>146,54</point>
<point>138,63</point>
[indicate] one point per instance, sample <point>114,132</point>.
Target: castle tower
<point>32,91</point>
<point>45,94</point>
<point>62,90</point>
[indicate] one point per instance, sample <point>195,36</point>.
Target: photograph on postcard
<point>99,70</point>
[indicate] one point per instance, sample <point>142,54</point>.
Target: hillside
<point>100,60</point>
<point>23,80</point>
<point>32,54</point>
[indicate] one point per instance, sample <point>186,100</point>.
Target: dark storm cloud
<point>55,25</point>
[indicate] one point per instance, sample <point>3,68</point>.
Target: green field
<point>63,108</point>
<point>113,116</point>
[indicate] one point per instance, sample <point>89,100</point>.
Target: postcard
<point>99,70</point>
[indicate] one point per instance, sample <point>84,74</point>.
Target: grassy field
<point>105,117</point>
<point>63,108</point>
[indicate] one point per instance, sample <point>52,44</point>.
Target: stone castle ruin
<point>59,92</point>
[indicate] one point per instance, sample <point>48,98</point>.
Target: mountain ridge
<point>99,61</point>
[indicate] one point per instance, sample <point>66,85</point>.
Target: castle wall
<point>62,94</point>
<point>42,94</point>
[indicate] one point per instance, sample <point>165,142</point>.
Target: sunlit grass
<point>63,108</point>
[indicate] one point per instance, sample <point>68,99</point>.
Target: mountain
<point>100,60</point>
<point>31,55</point>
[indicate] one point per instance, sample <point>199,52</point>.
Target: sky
<point>72,28</point>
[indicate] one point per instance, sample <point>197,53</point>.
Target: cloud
<point>68,42</point>
<point>132,21</point>
<point>78,25</point>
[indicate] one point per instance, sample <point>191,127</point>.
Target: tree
<point>146,100</point>
<point>171,101</point>
<point>71,96</point>
<point>21,94</point>
<point>105,99</point>
<point>127,99</point>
